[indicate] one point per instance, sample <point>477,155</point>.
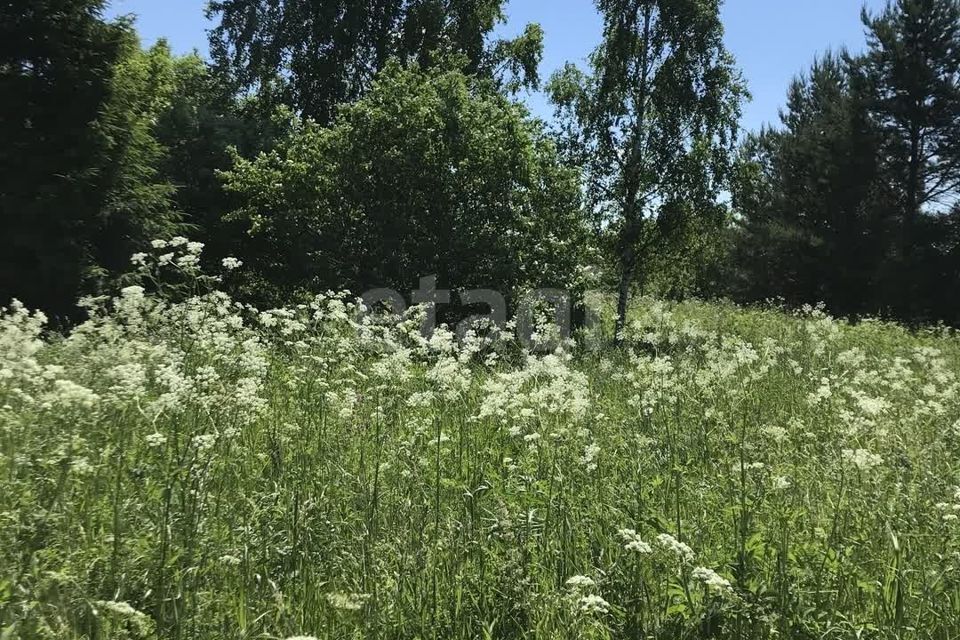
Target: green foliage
<point>653,125</point>
<point>849,201</point>
<point>201,469</point>
<point>137,199</point>
<point>911,74</point>
<point>203,123</point>
<point>55,75</point>
<point>318,55</point>
<point>811,222</point>
<point>433,172</point>
<point>79,186</point>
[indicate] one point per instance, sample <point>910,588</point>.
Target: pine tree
<point>812,225</point>
<point>911,75</point>
<point>912,71</point>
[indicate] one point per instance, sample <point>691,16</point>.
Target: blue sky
<point>773,40</point>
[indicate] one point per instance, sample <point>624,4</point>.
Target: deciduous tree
<point>654,123</point>
<point>324,53</point>
<point>433,172</point>
<point>78,165</point>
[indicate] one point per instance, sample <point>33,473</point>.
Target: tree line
<point>853,200</point>
<point>340,144</point>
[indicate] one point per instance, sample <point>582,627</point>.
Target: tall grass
<point>199,469</point>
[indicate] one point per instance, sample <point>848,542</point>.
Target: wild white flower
<point>120,608</point>
<point>781,482</point>
<point>955,428</point>
<point>133,291</point>
<point>158,244</point>
<point>421,399</point>
<point>593,604</point>
<point>589,457</point>
<point>142,622</point>
<point>268,319</point>
<point>712,580</point>
<point>343,403</point>
<point>195,248</point>
<point>177,241</point>
<point>633,542</point>
<point>451,377</point>
<point>166,258</point>
<point>188,261</point>
<point>155,440</point>
<point>777,433</point>
<point>853,358</point>
<point>394,368</point>
<point>81,466</point>
<point>231,264</point>
<point>823,393</point>
<point>543,386</point>
<point>674,547</point>
<point>439,440</point>
<point>204,443</point>
<point>247,400</point>
<point>580,582</point>
<point>129,381</point>
<point>862,459</point>
<point>347,601</point>
<point>872,406</point>
<point>139,259</point>
<point>67,393</point>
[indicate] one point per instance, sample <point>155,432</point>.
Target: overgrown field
<point>203,470</point>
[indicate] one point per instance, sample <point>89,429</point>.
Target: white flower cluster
<point>593,604</point>
<point>580,582</point>
<point>633,542</point>
<point>713,581</point>
<point>179,252</point>
<point>589,457</point>
<point>583,602</point>
<point>781,483</point>
<point>348,601</point>
<point>231,264</point>
<point>950,512</point>
<point>674,547</point>
<point>545,386</point>
<point>139,621</point>
<point>862,459</point>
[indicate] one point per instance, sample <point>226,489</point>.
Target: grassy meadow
<point>197,469</point>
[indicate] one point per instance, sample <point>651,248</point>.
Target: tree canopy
<point>79,181</point>
<point>339,143</point>
<point>653,123</point>
<point>852,201</point>
<point>433,172</point>
<point>317,55</point>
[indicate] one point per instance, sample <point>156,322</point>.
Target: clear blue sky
<point>773,40</point>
